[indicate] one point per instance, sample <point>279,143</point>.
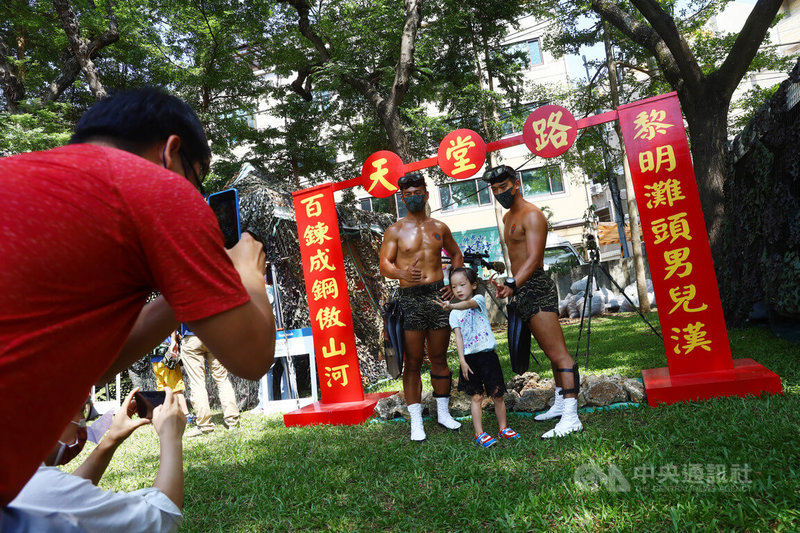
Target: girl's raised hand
<point>443,304</point>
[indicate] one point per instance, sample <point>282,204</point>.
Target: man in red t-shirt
<point>88,231</point>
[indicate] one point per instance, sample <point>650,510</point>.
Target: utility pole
<point>633,210</point>
<point>613,186</point>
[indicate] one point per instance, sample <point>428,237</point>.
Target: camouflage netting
<point>267,212</point>
<point>761,236</point>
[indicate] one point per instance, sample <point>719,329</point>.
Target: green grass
<point>264,476</point>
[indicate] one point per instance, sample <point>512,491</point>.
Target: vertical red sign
<point>690,311</point>
<point>328,298</point>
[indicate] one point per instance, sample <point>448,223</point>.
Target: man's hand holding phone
<point>123,424</point>
<point>168,418</point>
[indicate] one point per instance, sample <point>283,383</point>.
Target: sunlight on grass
<point>264,476</point>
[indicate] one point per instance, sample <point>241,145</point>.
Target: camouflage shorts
<point>537,294</point>
<point>420,311</point>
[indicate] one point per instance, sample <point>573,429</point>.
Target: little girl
<point>480,367</point>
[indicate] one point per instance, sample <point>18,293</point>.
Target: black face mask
<point>506,198</point>
<point>415,203</point>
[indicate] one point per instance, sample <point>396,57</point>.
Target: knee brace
<point>449,378</point>
<point>576,383</point>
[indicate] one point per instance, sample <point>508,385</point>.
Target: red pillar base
<point>337,414</point>
<point>747,377</point>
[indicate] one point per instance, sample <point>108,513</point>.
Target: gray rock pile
<point>527,393</point>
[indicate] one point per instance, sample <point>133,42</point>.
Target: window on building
<point>392,205</point>
<point>531,49</point>
<point>469,193</point>
<point>542,180</point>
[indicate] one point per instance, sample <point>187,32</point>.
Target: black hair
<point>136,119</point>
<point>471,275</point>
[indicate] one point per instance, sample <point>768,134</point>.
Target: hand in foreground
<point>466,370</point>
<point>412,273</point>
<point>123,425</point>
<point>248,254</point>
<point>447,306</point>
<point>168,418</point>
<point>447,292</point>
<point>501,291</point>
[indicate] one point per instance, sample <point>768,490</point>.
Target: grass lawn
<point>719,465</point>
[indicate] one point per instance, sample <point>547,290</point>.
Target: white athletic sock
<point>569,422</point>
<point>417,430</point>
<point>556,410</point>
<point>443,414</point>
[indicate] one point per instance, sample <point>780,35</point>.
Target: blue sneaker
<point>485,440</point>
<point>190,419</point>
<point>508,434</point>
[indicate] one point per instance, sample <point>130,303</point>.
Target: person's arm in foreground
<point>121,428</point>
<point>243,338</point>
<point>170,422</point>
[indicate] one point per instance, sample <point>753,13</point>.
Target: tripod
<point>594,262</point>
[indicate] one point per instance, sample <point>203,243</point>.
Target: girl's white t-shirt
<point>475,327</point>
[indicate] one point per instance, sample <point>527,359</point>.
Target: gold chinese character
<point>322,288</point>
<point>319,261</point>
<point>328,317</point>
<point>665,192</point>
<point>557,135</point>
<point>676,228</point>
<point>458,150</point>
<point>648,125</point>
<point>317,234</point>
<point>379,175</point>
<point>338,374</point>
<point>677,259</point>
<point>694,337</point>
<point>313,207</point>
<point>331,351</point>
<point>683,296</point>
<point>664,156</point>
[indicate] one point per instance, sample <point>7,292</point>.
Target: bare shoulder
<point>533,216</point>
<point>439,225</point>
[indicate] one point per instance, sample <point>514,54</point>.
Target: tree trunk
<point>633,210</point>
<point>79,46</point>
<point>707,119</point>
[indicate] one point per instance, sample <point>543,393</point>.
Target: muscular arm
<point>535,225</point>
<point>451,247</point>
<point>388,256</point>
<point>243,338</point>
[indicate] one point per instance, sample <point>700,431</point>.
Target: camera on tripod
<point>476,260</point>
<point>592,250</point>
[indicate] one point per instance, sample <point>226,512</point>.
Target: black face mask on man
<point>506,198</point>
<point>415,203</point>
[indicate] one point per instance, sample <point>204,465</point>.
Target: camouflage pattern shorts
<point>537,294</point>
<point>420,311</point>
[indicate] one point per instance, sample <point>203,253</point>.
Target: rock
<point>616,378</point>
<point>635,389</point>
<point>428,404</point>
<point>534,399</point>
<point>605,392</point>
<point>459,403</point>
<point>391,407</point>
<point>518,382</point>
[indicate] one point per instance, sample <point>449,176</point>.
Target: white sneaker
<point>443,414</point>
<point>417,430</point>
<point>556,410</point>
<point>569,423</point>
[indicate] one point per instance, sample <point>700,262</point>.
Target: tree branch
<point>728,76</point>
<point>79,46</point>
<point>643,35</point>
<point>405,63</point>
<point>12,86</point>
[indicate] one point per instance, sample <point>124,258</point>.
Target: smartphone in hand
<point>147,401</point>
<point>225,205</point>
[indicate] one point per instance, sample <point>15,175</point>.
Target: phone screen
<point>225,205</point>
<point>147,400</point>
